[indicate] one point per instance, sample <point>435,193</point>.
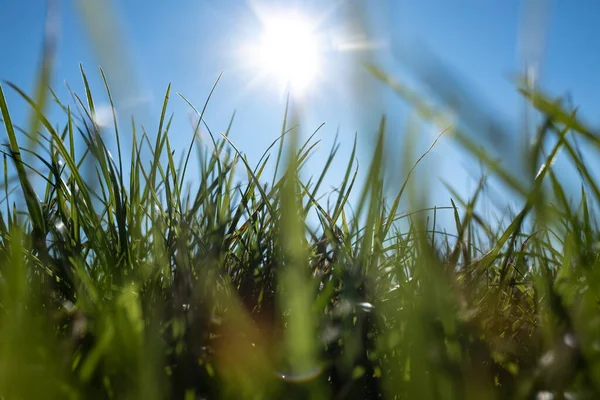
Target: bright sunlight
<point>287,51</point>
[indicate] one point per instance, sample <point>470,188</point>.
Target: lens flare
<point>288,51</point>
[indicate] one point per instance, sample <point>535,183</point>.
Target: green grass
<point>141,286</point>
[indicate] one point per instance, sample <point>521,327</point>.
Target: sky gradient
<point>189,43</point>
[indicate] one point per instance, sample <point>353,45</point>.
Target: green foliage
<point>132,286</point>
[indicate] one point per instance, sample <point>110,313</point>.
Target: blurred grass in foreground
<point>139,288</point>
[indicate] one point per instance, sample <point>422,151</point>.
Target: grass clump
<point>119,281</point>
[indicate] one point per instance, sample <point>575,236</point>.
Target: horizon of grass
<point>139,286</point>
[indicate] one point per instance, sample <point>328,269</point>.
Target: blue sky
<point>189,43</point>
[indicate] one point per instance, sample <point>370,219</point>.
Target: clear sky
<point>189,43</point>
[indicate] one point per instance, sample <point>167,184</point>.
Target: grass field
<point>121,281</point>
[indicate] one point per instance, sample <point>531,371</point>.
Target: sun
<point>296,49</point>
<point>288,51</point>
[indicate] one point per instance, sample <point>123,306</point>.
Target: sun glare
<point>288,51</point>
<point>292,48</point>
